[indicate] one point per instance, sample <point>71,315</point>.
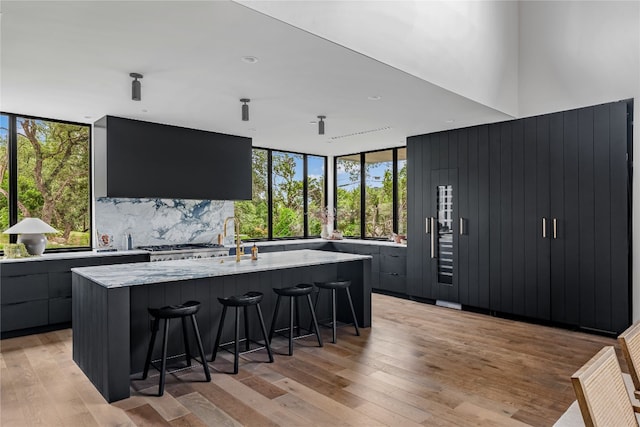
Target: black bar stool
<point>334,286</point>
<point>182,311</point>
<point>293,292</point>
<point>241,301</point>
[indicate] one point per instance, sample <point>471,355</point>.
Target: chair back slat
<point>601,392</point>
<point>630,344</point>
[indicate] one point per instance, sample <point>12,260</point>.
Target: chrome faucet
<point>234,219</point>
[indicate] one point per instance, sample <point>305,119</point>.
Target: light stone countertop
<point>303,241</point>
<point>123,275</point>
<point>72,255</point>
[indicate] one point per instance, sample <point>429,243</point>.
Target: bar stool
<point>241,301</point>
<point>293,292</point>
<point>182,311</point>
<point>334,286</point>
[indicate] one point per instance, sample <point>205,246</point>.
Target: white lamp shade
<point>30,226</point>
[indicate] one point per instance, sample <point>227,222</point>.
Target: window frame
<point>305,193</point>
<point>363,195</point>
<point>12,148</point>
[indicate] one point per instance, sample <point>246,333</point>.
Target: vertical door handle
<point>461,226</point>
<point>433,237</point>
<point>544,227</point>
<point>555,228</point>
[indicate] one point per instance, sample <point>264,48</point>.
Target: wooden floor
<point>418,365</point>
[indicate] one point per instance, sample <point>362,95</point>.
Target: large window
<point>371,193</point>
<point>348,193</point>
<point>45,171</point>
<point>289,192</point>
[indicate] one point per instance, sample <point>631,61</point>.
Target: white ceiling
<point>71,61</point>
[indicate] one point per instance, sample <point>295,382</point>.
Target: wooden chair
<point>601,392</point>
<point>630,343</point>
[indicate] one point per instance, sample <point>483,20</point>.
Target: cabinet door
<point>416,230</point>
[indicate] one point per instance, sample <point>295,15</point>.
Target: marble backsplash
<point>161,221</point>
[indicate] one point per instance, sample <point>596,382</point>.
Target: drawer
<point>60,284</point>
<point>393,250</point>
<point>24,288</point>
<point>24,315</point>
<point>393,264</point>
<point>59,310</point>
<point>393,282</point>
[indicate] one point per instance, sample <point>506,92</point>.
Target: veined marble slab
<point>123,275</point>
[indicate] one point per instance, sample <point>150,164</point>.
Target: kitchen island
<point>111,325</point>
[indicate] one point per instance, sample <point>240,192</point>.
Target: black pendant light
<point>136,87</point>
<point>245,109</point>
<point>321,125</point>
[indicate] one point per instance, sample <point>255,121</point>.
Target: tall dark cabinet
<point>540,220</point>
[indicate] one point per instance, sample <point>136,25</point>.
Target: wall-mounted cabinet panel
<point>540,217</point>
<point>142,159</point>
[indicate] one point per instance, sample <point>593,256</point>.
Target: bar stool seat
<point>241,301</point>
<point>292,293</point>
<point>334,286</point>
<point>181,311</point>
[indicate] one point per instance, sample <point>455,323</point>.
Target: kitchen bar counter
<point>189,269</point>
<point>111,324</point>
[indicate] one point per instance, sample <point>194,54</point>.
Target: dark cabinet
<point>541,207</point>
<point>37,293</point>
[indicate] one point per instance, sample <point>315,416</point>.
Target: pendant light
<point>321,125</point>
<point>136,88</point>
<point>245,109</point>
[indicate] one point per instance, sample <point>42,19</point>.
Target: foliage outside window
<point>401,212</point>
<point>254,213</point>
<point>279,208</point>
<point>348,192</point>
<point>53,177</point>
<point>315,193</point>
<point>378,181</point>
<point>378,202</point>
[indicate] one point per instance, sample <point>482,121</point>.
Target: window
<point>401,203</point>
<point>378,202</point>
<point>371,193</point>
<point>315,193</point>
<point>348,194</point>
<point>254,213</point>
<point>289,191</point>
<point>51,177</point>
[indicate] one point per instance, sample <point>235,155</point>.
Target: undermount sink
<point>232,259</point>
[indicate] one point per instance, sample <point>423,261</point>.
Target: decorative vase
<point>325,231</point>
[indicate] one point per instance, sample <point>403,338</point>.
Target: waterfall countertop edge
<point>144,273</point>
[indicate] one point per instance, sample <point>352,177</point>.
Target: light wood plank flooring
<point>418,365</point>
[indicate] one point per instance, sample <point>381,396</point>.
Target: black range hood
<point>138,159</point>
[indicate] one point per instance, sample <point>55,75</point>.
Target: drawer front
<point>59,310</point>
<point>393,282</point>
<point>393,264</point>
<point>24,315</point>
<point>60,284</point>
<point>393,250</point>
<point>24,288</point>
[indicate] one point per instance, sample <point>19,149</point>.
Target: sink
<point>231,259</point>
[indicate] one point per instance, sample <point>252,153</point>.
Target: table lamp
<point>31,234</point>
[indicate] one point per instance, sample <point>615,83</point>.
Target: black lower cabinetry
<point>36,294</point>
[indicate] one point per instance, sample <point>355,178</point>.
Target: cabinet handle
<point>461,226</point>
<point>427,229</point>
<point>555,228</point>
<point>433,237</point>
<point>544,227</point>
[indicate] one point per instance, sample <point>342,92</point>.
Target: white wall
<point>579,53</point>
<point>467,47</point>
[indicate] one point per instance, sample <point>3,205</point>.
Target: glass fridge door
<point>445,233</point>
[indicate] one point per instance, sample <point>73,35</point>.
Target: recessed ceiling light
<point>144,110</point>
<point>87,117</point>
<point>249,59</point>
<point>374,98</point>
<point>449,121</point>
<point>313,122</point>
<point>252,129</point>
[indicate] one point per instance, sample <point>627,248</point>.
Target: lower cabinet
<point>393,269</point>
<point>37,293</point>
